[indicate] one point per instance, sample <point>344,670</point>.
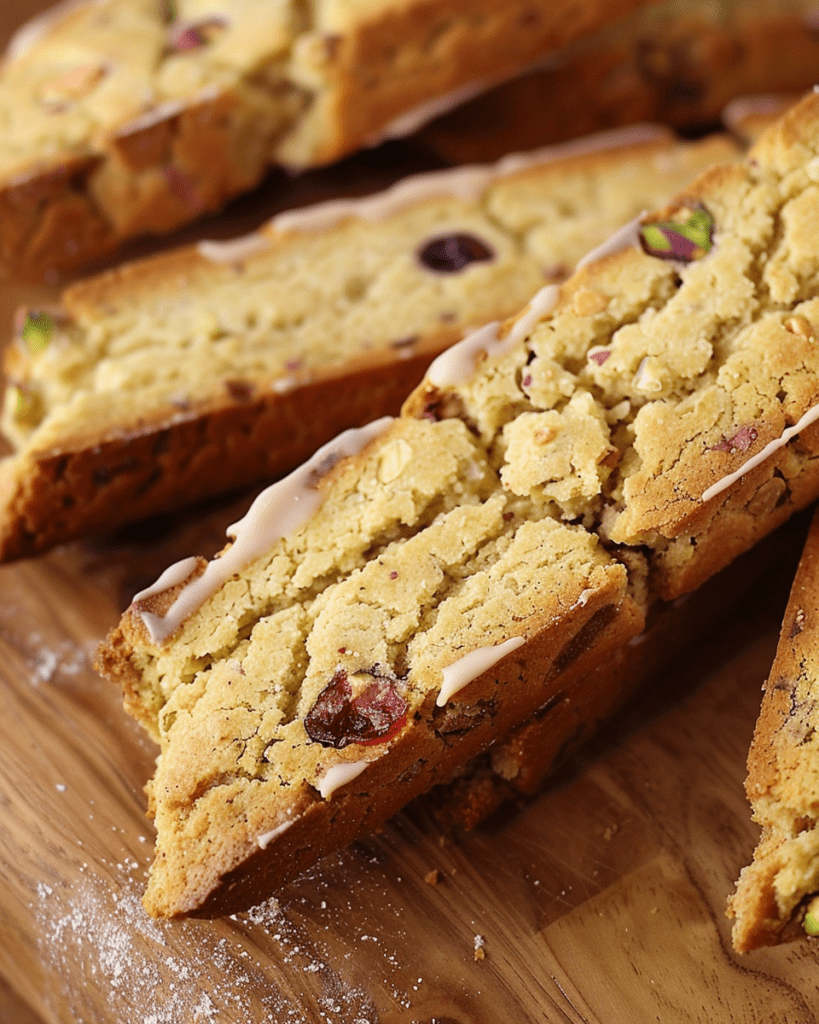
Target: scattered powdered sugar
<point>64,657</point>
<point>97,938</point>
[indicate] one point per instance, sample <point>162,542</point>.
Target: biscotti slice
<point>777,895</point>
<point>214,366</point>
<point>380,619</point>
<point>125,117</point>
<point>749,117</point>
<point>514,770</point>
<point>320,664</point>
<point>678,61</point>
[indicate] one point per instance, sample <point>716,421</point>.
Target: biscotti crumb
<point>478,945</point>
<point>432,877</point>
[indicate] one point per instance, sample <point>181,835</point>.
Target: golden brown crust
<point>676,63</point>
<point>150,177</point>
<point>428,752</point>
<point>518,766</point>
<point>443,48</point>
<point>94,477</point>
<point>101,483</point>
<point>626,445</point>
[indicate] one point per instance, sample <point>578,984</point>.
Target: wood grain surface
<point>601,902</point>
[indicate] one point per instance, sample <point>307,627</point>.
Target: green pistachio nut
<point>811,922</point>
<point>37,331</point>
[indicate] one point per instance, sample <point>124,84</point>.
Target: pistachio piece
<point>36,331</point>
<point>685,237</point>
<point>23,403</point>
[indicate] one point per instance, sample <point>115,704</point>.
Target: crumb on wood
<point>479,952</point>
<point>432,877</point>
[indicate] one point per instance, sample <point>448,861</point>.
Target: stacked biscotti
<point>423,586</point>
<point>126,117</point>
<point>221,364</point>
<point>678,61</point>
<point>777,896</point>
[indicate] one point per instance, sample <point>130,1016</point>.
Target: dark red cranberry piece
<point>450,253</point>
<point>741,441</point>
<point>338,719</point>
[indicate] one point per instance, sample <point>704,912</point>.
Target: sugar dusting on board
<point>46,661</point>
<point>183,972</point>
<point>319,954</point>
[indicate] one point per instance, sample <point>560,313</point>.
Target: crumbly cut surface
<point>122,117</point>
<point>553,477</point>
<point>775,891</point>
<point>267,347</point>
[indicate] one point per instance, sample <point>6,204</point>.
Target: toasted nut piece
<point>801,326</point>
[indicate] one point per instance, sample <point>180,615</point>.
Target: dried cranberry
<point>239,390</point>
<point>741,441</point>
<point>374,716</point>
<point>182,186</point>
<point>450,253</point>
<point>195,35</point>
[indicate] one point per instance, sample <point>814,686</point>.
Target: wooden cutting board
<point>600,902</point>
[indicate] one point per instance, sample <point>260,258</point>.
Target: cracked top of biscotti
<point>645,421</point>
<point>377,279</point>
<point>125,117</point>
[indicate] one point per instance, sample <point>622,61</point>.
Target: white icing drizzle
<point>457,364</point>
<point>339,775</point>
<point>627,237</point>
<point>811,416</point>
<point>173,575</point>
<point>466,183</point>
<point>747,106</point>
<point>161,112</point>
<point>233,250</point>
<point>32,31</point>
<point>411,120</point>
<point>277,511</point>
<point>267,837</point>
<point>470,666</point>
